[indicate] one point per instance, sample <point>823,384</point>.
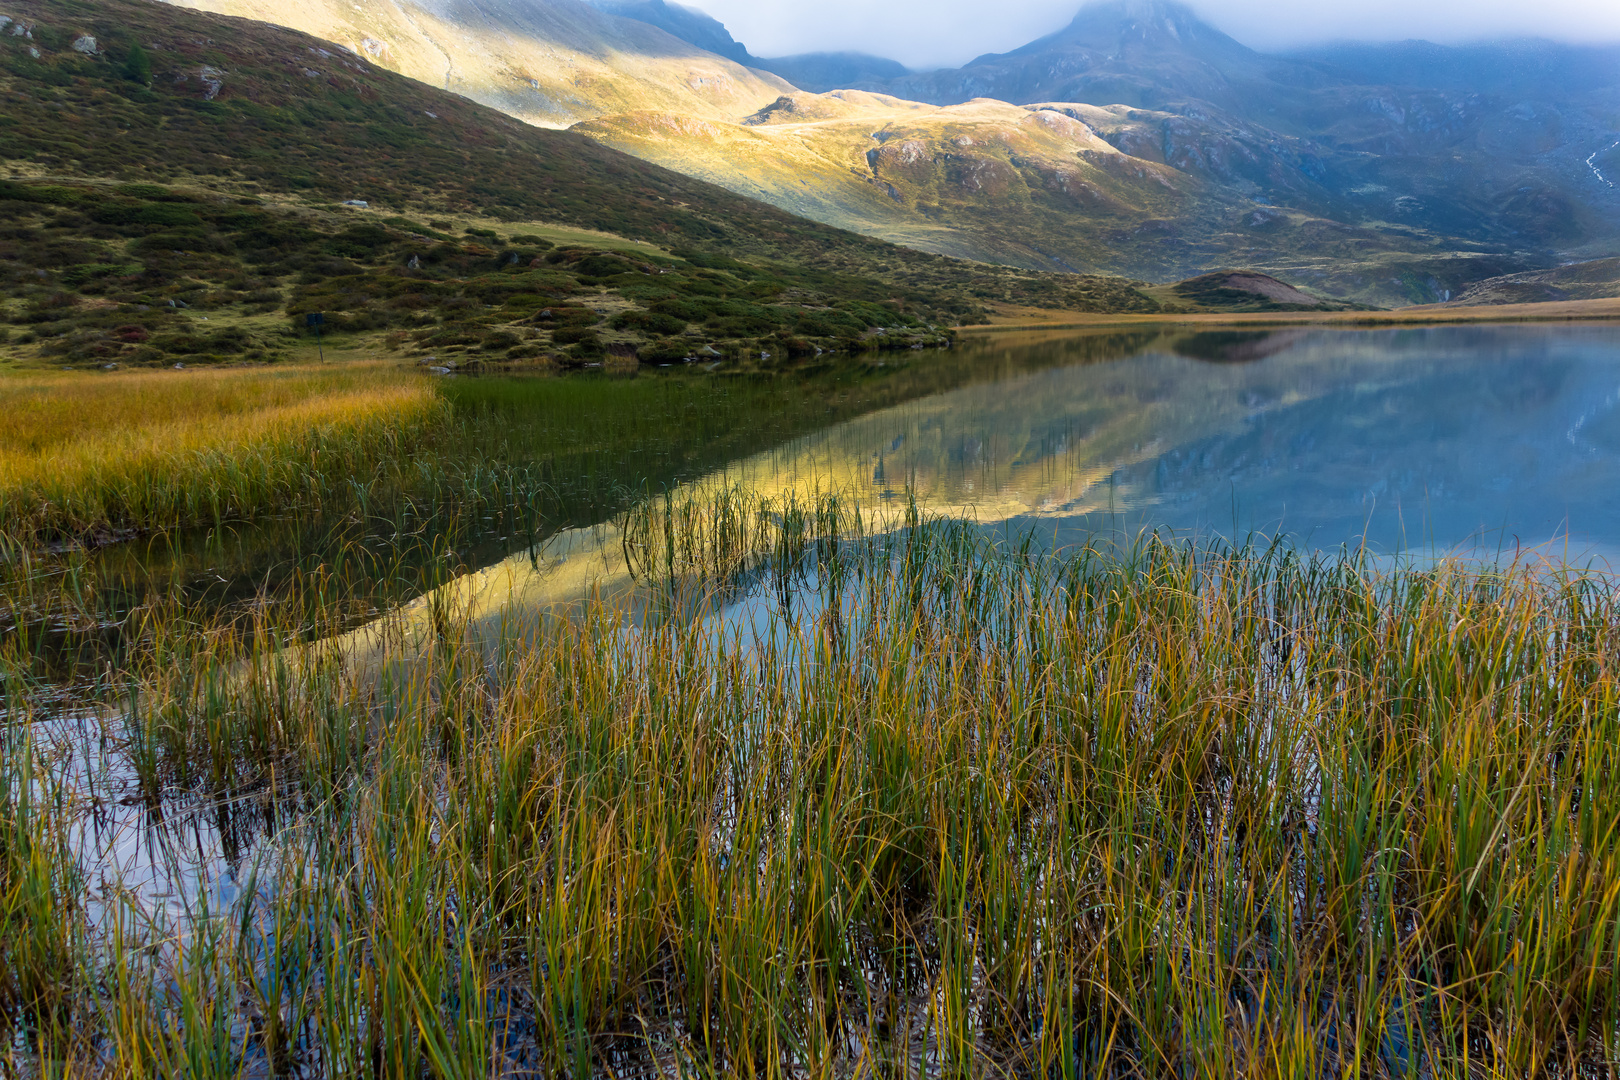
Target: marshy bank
<point>936,806</point>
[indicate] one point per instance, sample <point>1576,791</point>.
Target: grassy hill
<point>547,62</point>
<point>177,167</point>
<point>1595,279</point>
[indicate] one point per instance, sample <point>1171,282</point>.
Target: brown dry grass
<point>1009,316</point>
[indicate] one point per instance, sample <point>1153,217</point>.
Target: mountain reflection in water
<point>1431,441</point>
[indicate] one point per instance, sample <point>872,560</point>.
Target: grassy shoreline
<point>936,805</point>
<point>1009,317</point>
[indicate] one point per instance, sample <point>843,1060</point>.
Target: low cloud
<point>945,33</point>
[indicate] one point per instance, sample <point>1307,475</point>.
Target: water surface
<point>1484,442</point>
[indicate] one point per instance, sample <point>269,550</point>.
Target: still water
<point>1490,442</point>
<point>1435,440</point>
<point>1423,442</point>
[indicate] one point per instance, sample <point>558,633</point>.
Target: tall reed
<point>923,804</point>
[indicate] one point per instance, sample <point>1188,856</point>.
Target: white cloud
<point>935,33</point>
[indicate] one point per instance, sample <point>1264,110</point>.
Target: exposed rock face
<point>213,81</point>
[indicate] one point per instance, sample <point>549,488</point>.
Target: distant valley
<point>1399,173</point>
<point>1137,141</point>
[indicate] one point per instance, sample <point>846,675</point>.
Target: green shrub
<point>145,214</point>
<point>663,351</point>
<point>603,266</point>
<point>650,322</point>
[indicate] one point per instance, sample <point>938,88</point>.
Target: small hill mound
<point>1243,288</point>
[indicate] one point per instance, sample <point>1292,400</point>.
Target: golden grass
<point>171,448</point>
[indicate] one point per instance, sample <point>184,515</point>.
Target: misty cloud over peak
<point>925,34</point>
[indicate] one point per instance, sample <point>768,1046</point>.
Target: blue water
<point>1440,439</point>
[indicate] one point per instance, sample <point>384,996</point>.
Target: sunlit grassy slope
<point>1034,186</point>
<point>547,62</point>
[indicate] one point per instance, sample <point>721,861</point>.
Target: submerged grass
<point>929,806</point>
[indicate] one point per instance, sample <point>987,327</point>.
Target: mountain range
<point>1138,140</point>
<point>180,187</point>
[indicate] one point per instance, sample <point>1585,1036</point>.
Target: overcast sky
<point>938,33</point>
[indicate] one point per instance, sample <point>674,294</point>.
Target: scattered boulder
<point>213,81</point>
<point>85,44</point>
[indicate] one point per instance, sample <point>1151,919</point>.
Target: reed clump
<point>157,450</point>
<point>916,803</point>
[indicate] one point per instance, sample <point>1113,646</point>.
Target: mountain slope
<point>1485,143</point>
<point>1038,187</point>
<point>1395,174</point>
<point>1593,280</point>
<point>1142,53</point>
<point>981,180</point>
<point>689,24</point>
<point>547,62</point>
<point>816,72</point>
<point>174,196</point>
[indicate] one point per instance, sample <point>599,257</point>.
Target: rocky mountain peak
<point>1118,27</point>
